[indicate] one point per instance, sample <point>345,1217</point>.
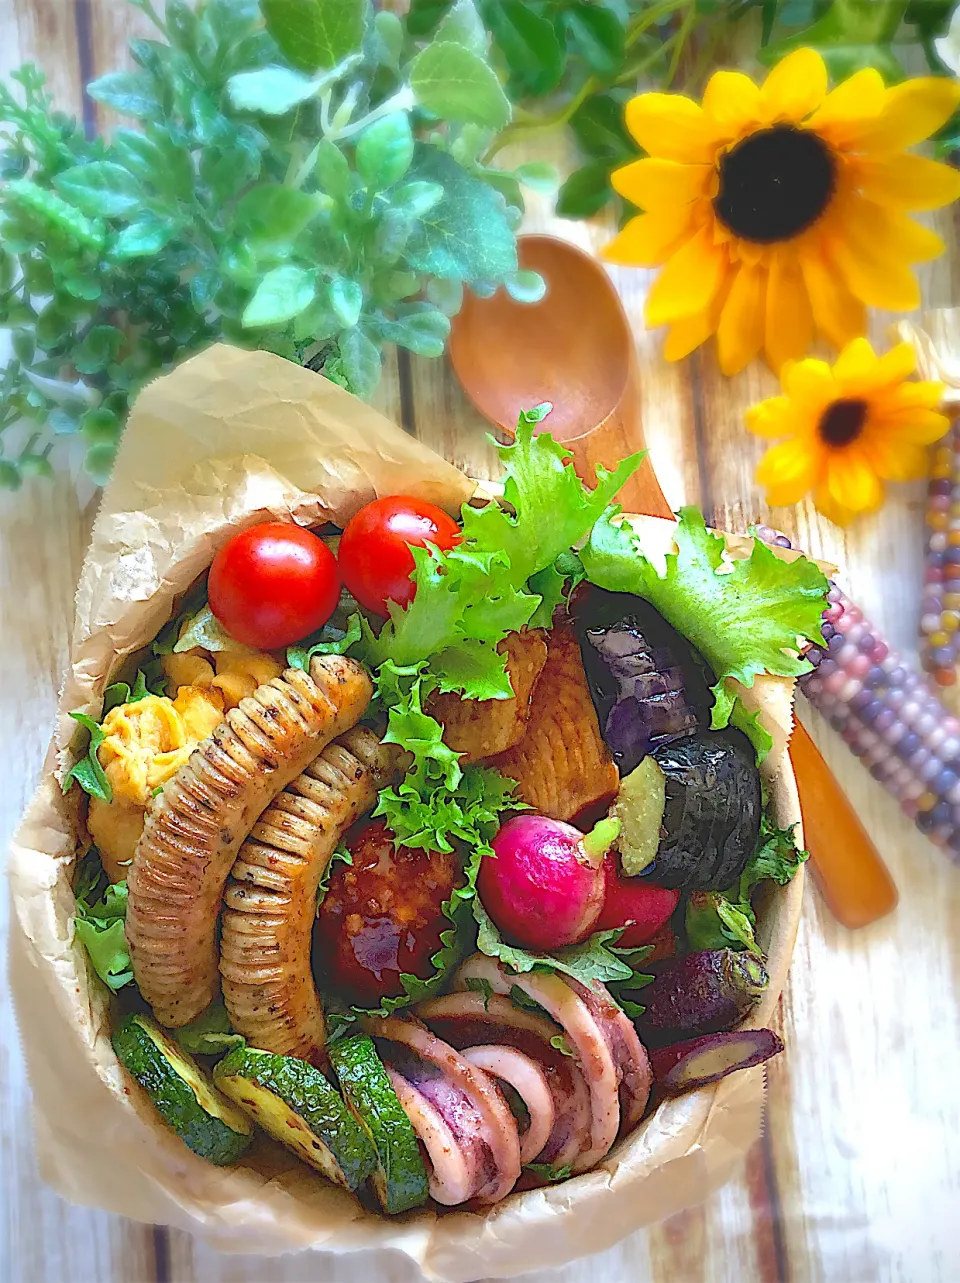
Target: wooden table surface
<point>857,1179</point>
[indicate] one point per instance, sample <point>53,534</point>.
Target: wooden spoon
<point>575,348</point>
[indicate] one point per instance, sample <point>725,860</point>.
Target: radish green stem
<point>601,837</point>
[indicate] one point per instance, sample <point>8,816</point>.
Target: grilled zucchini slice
<point>181,1092</point>
<point>296,1105</point>
<point>400,1180</point>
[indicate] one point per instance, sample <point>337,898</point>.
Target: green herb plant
<point>576,62</point>
<point>303,176</point>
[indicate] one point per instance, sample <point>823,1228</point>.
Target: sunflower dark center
<point>842,421</point>
<point>774,184</point>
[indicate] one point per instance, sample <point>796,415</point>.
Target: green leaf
<point>538,175</point>
<point>271,213</point>
<point>445,295</point>
<point>525,286</point>
<point>98,462</point>
<point>385,150</point>
<point>586,191</point>
<point>332,170</point>
<point>465,236</point>
<point>271,90</point>
<point>597,35</point>
<point>559,1043</point>
<point>463,25</point>
<point>360,359</point>
<point>549,1173</point>
<point>100,188</point>
<point>206,631</point>
<point>145,683</point>
<point>128,92</point>
<point>752,726</point>
<point>328,641</point>
<point>315,33</point>
<point>282,294</point>
<point>553,507</point>
<point>144,238</point>
<point>423,332</point>
<point>744,621</point>
<point>99,928</point>
<point>528,42</point>
<point>413,200</point>
<point>100,348</point>
<point>346,299</point>
<point>599,129</point>
<point>456,84</point>
<point>593,960</point>
<point>478,984</point>
<point>389,29</point>
<point>424,15</point>
<point>100,426</point>
<point>88,772</point>
<point>777,857</point>
<point>210,1033</point>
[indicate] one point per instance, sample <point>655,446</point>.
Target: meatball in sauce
<point>381,916</point>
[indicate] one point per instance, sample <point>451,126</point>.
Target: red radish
<point>698,1061</point>
<point>637,904</point>
<point>543,886</point>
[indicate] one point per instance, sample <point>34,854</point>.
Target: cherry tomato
<point>375,558</point>
<point>273,584</point>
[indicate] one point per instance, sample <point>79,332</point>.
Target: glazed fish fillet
<point>195,827</point>
<point>479,728</point>
<point>561,765</point>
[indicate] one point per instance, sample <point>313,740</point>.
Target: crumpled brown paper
<point>228,439</point>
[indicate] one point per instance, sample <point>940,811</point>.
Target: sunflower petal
<point>731,100</point>
<point>907,182</point>
<point>788,470</point>
<point>838,314</point>
<point>689,282</point>
<point>648,239</point>
<point>911,112</point>
<point>852,483</point>
<point>740,332</point>
<point>855,363</point>
<point>789,320</point>
<point>795,87</point>
<point>660,184</point>
<point>914,395</point>
<point>810,384</point>
<point>671,127</point>
<point>849,105</point>
<point>878,282</point>
<point>920,427</point>
<point>773,418</point>
<point>895,459</point>
<point>835,512</point>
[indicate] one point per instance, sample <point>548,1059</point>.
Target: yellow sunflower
<point>848,428</point>
<point>780,209</point>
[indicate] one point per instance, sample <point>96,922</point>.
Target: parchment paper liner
<point>229,439</point>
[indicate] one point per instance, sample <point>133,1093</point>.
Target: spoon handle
<point>852,877</point>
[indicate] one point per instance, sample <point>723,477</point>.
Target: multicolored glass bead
<point>888,715</point>
<point>940,610</point>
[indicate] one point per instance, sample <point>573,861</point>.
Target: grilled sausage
<point>271,896</point>
<point>194,828</point>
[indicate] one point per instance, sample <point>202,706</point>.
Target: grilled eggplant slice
<point>195,827</point>
<point>270,903</point>
<point>711,817</point>
<point>400,1180</point>
<point>181,1092</point>
<point>295,1104</point>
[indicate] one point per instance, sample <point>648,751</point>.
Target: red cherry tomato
<point>375,558</point>
<point>273,584</point>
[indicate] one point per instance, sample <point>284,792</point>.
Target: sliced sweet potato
<point>480,728</point>
<point>562,766</point>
